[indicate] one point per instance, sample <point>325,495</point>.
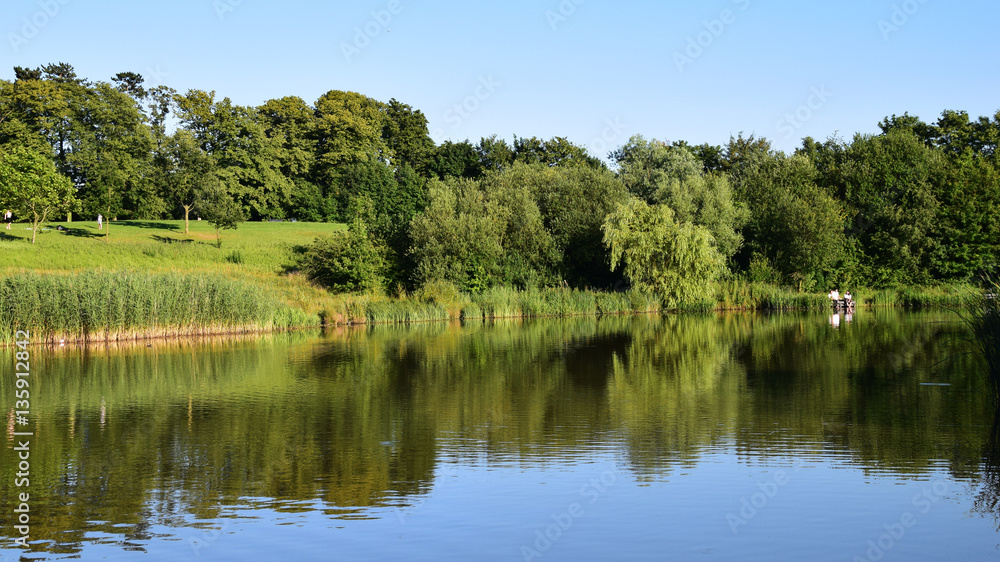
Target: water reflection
<point>362,421</point>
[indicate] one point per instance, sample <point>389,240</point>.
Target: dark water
<point>733,437</point>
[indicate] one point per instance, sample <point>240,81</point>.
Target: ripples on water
<point>735,437</point>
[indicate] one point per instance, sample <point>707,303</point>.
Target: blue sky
<point>594,71</point>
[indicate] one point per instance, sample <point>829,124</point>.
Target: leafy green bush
<point>345,261</point>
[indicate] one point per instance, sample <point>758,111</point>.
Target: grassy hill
<point>259,256</point>
<point>255,247</point>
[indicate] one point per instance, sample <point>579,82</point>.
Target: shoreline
<point>358,311</point>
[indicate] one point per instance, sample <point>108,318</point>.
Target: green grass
<point>256,247</point>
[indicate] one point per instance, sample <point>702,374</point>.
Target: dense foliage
<point>918,203</point>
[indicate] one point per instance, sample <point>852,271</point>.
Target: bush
<point>345,261</point>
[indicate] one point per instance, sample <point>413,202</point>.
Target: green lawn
<point>260,252</point>
<point>255,247</point>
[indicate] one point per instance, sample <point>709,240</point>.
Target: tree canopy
<point>918,202</point>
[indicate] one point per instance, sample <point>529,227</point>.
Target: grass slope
<point>257,254</point>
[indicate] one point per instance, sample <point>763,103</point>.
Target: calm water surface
<point>730,437</point>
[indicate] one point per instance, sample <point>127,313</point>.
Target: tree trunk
<point>187,210</point>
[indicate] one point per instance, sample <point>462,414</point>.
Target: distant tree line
<point>917,203</point>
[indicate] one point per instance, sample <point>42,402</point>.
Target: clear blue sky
<point>584,69</point>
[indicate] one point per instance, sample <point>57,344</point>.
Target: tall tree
<point>246,159</point>
<point>406,137</point>
<point>113,155</point>
<point>349,128</point>
<point>890,182</point>
<point>793,223</point>
<point>289,123</point>
<point>676,260</point>
<point>456,160</point>
<point>557,151</point>
<point>672,175</point>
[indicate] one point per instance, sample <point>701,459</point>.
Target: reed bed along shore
<point>95,306</point>
<point>983,318</point>
<point>109,306</point>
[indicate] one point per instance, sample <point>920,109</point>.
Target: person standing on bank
<point>100,222</point>
<point>7,218</point>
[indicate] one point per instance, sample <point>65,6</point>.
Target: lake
<point>795,436</point>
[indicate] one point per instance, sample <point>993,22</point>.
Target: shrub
<point>345,261</point>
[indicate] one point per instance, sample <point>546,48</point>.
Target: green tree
<point>676,260</point>
<point>349,129</point>
<point>289,123</point>
<point>458,237</point>
<point>573,202</point>
<point>189,172</point>
<point>217,206</point>
<point>890,183</point>
<point>112,155</point>
<point>406,136</point>
<point>557,151</point>
<point>456,160</point>
<point>494,153</point>
<point>246,159</point>
<point>672,175</point>
<point>794,224</point>
<point>32,187</point>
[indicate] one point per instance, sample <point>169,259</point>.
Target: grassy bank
<point>150,279</point>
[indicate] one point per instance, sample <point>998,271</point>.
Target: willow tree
<point>678,260</point>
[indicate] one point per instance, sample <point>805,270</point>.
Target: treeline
<point>917,203</point>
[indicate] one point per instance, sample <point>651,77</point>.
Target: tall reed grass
<point>983,318</point>
<point>108,306</point>
<point>740,294</point>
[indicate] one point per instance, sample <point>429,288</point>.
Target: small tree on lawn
<point>217,206</point>
<point>32,187</point>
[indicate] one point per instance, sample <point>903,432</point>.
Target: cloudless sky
<point>594,71</point>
